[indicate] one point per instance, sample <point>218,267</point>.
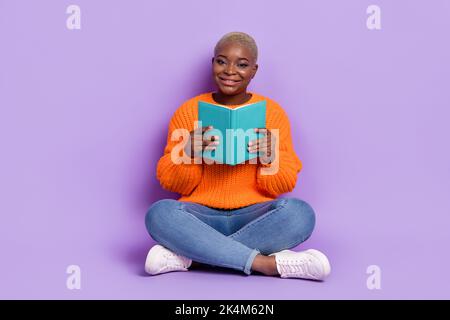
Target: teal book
<point>235,128</point>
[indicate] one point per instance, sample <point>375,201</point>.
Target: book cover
<point>235,128</point>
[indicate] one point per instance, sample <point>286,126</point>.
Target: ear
<point>212,60</point>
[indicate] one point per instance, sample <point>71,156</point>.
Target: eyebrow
<point>221,55</point>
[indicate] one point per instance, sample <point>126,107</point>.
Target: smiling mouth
<point>228,82</point>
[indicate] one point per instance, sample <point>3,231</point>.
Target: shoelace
<point>175,260</point>
<point>295,266</point>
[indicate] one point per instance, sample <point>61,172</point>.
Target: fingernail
<point>250,143</point>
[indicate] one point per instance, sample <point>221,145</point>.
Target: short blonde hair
<point>239,37</point>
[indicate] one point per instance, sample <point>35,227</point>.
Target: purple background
<point>84,118</point>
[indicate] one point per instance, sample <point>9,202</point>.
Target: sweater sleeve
<point>180,177</point>
<point>281,175</point>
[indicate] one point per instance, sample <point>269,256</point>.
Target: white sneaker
<point>161,260</point>
<point>309,264</point>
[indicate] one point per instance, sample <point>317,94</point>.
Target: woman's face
<point>233,68</point>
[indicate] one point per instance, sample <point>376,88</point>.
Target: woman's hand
<point>198,142</point>
<point>265,146</point>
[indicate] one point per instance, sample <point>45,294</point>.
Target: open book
<point>235,128</point>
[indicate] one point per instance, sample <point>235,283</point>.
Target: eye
<point>220,61</point>
<point>242,65</point>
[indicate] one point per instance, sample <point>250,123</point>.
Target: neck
<point>239,98</point>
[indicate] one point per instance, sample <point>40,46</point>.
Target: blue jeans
<point>229,238</point>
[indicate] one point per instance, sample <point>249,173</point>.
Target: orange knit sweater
<point>224,186</point>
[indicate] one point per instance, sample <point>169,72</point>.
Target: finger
<point>213,143</point>
<point>259,146</point>
<point>253,149</point>
<point>269,139</point>
<point>212,138</point>
<point>262,146</point>
<point>200,137</point>
<point>209,148</point>
<point>202,130</point>
<point>253,142</point>
<point>207,128</point>
<point>258,141</point>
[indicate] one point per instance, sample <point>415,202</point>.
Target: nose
<point>229,69</point>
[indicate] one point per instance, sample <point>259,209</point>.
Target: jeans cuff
<point>248,265</point>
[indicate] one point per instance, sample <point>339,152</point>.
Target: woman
<point>230,216</point>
